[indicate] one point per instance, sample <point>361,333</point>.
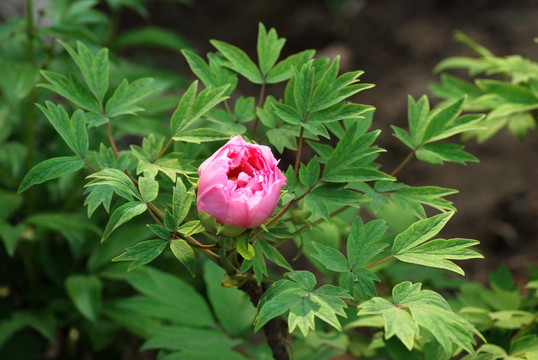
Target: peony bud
<point>240,184</point>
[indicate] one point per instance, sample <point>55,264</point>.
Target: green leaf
<point>50,169</point>
<point>309,174</point>
<point>363,241</point>
<point>403,136</point>
<point>360,283</point>
<point>191,340</point>
<point>272,254</point>
<point>10,236</point>
<point>436,253</point>
<point>303,85</point>
<point>98,195</point>
<point>427,310</point>
<point>160,231</point>
<point>118,180</point>
<point>243,246</point>
<point>244,109</point>
<point>239,61</point>
<point>73,131</point>
<point>269,47</point>
<point>142,253</point>
<point>330,257</point>
<point>438,153</point>
<point>72,89</point>
<point>123,100</point>
<point>232,306</point>
<point>439,120</point>
<point>283,137</point>
<point>192,107</point>
<point>74,227</point>
<point>417,114</point>
<point>121,215</point>
<point>185,254</point>
<point>420,232</point>
<point>355,174</point>
<point>94,69</point>
<point>150,36</point>
<point>298,296</point>
<point>201,135</point>
<point>349,150</point>
<point>42,323</point>
<point>519,124</point>
<point>170,290</point>
<point>508,92</point>
<point>214,74</point>
<point>283,69</point>
<point>149,188</point>
<point>412,199</point>
<point>181,202</point>
<point>85,293</point>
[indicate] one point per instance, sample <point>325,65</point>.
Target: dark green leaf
<point>85,293</point>
<point>171,290</point>
<point>121,215</point>
<point>184,253</point>
<point>150,36</point>
<point>232,306</point>
<point>50,169</point>
<point>142,253</point>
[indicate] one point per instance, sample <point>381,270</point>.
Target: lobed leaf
<point>420,232</point>
<point>238,61</point>
<point>269,47</point>
<point>94,69</point>
<point>123,100</point>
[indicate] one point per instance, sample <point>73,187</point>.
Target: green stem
<point>30,29</point>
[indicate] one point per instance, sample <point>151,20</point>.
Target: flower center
<point>246,173</point>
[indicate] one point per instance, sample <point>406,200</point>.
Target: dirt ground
<point>397,43</point>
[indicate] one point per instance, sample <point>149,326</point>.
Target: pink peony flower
<point>240,184</point>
